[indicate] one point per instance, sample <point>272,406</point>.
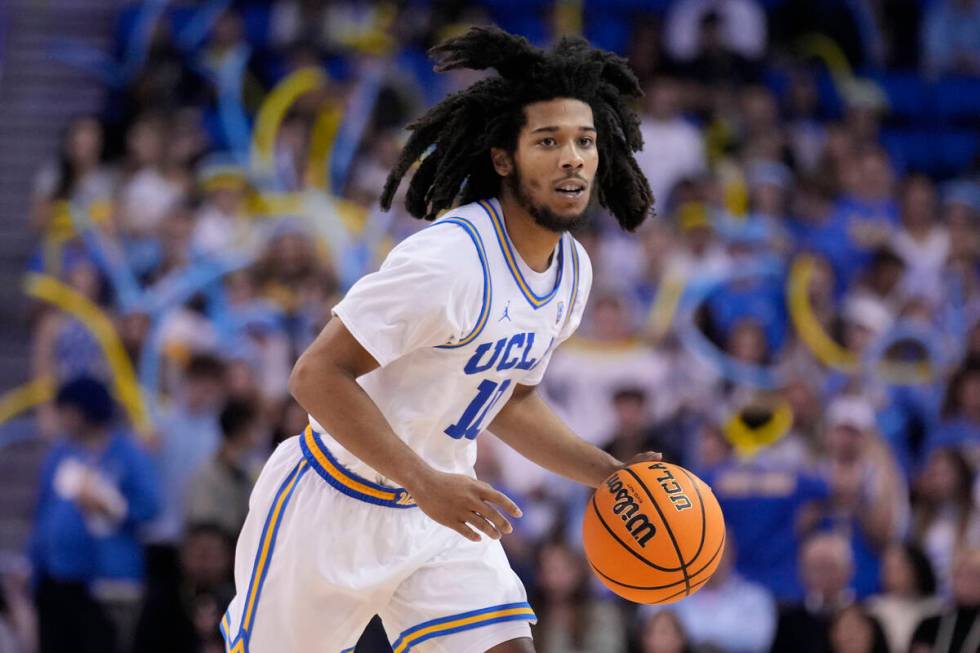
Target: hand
<point>89,499</point>
<point>459,502</point>
<point>643,457</point>
<point>846,482</point>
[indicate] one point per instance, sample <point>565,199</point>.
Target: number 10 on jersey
<point>488,393</point>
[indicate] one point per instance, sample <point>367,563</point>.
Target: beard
<point>542,215</point>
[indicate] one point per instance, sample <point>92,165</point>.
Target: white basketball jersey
<point>457,320</point>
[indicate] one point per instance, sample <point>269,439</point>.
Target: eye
<point>547,142</point>
<point>586,141</point>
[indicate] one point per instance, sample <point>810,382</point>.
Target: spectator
<point>615,360</point>
<point>223,224</point>
<point>188,436</point>
<point>868,495</point>
<point>881,280</point>
<point>147,193</point>
<point>956,630</point>
<point>674,147</point>
<point>961,212</point>
<point>769,185</point>
<point>951,37</point>
<point>78,177</point>
<point>218,493</point>
<point>97,488</point>
<point>853,630</point>
<point>865,214</point>
<point>729,614</point>
<point>960,423</point>
<point>646,49</point>
<point>663,632</point>
<point>183,614</point>
<point>174,243</point>
<point>64,347</point>
<point>635,430</point>
<point>769,510</point>
<point>712,449</point>
<point>908,594</point>
<point>717,65</point>
<point>700,255</point>
<point>761,134</point>
<point>807,133</point>
<point>293,21</point>
<point>922,243</point>
<point>290,274</point>
<point>865,107</point>
<point>826,567</point>
<point>945,517</point>
<point>570,620</point>
<point>741,27</point>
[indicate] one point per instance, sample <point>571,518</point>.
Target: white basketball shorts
<point>323,550</point>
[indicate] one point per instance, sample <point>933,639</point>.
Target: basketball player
<point>375,508</point>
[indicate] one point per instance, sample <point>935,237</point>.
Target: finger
<point>647,456</point>
<point>492,515</point>
<point>478,521</point>
<point>463,529</point>
<point>487,493</point>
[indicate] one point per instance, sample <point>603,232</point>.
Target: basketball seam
<point>688,591</point>
<point>704,515</point>
<point>670,533</point>
<point>661,587</point>
<point>667,598</point>
<point>602,521</point>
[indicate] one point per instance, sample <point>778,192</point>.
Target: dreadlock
<point>455,136</point>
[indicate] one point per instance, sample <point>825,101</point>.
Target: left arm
<point>532,429</point>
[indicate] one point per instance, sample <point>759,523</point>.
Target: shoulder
<point>55,453</point>
<point>445,242</point>
<point>128,446</point>
<point>444,256</point>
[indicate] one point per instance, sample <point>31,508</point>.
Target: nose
<point>571,158</point>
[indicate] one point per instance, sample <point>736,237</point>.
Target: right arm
<point>324,382</point>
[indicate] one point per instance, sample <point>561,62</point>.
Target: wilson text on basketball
<point>638,525</point>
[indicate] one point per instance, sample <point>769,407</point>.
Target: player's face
<point>555,162</point>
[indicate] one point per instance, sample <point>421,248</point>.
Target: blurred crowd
<point>799,324</point>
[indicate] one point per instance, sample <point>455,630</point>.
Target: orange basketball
<point>653,532</point>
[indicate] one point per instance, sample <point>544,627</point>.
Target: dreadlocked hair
<point>453,138</point>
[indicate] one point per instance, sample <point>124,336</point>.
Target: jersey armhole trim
<point>487,301</point>
<point>575,280</point>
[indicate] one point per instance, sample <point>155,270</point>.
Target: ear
<point>502,161</point>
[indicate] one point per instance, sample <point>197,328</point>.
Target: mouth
<point>571,188</point>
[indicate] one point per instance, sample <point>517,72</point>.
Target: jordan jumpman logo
<point>506,313</point>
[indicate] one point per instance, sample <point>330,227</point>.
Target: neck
<point>82,168</point>
<point>972,413</point>
<point>229,454</point>
<point>534,243</point>
<point>920,229</point>
<point>94,438</point>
